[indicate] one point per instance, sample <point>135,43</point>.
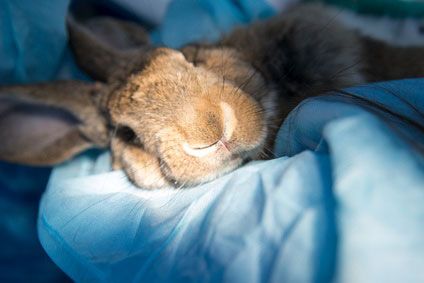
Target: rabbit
<point>176,118</point>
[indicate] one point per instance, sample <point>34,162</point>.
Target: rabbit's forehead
<point>172,91</point>
<point>167,88</point>
<point>169,76</point>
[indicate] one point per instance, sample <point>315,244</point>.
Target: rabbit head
<point>194,122</point>
<point>170,117</point>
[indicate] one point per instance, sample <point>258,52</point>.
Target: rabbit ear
<point>45,124</point>
<point>105,45</point>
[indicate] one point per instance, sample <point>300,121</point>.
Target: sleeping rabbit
<point>176,118</point>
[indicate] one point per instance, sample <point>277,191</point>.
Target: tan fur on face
<point>171,102</point>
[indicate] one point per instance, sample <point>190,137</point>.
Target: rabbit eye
<point>202,151</point>
<point>128,135</point>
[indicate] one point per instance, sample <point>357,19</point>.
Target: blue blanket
<point>344,202</point>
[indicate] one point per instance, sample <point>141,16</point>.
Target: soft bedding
<point>343,200</point>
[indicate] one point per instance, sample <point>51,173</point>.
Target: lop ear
<point>44,124</point>
<point>104,45</point>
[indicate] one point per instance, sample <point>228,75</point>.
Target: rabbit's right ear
<point>104,45</point>
<point>47,123</point>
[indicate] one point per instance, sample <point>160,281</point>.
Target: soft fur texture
<point>182,117</point>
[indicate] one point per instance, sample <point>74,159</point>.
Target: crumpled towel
<point>346,205</point>
<point>206,20</point>
<point>24,39</point>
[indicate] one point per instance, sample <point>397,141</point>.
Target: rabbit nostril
<point>206,146</point>
<point>201,151</point>
<point>206,150</point>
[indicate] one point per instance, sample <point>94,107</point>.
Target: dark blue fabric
<point>32,48</point>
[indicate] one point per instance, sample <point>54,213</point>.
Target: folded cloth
<point>346,205</point>
<point>149,11</point>
<point>393,8</point>
<point>188,21</point>
<point>28,32</point>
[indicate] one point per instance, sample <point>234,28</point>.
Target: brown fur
<point>182,117</point>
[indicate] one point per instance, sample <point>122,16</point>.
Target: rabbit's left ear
<point>103,46</point>
<point>44,124</point>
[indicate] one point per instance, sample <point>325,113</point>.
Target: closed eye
<point>201,151</point>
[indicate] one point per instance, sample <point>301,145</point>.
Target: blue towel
<point>206,20</point>
<point>344,203</point>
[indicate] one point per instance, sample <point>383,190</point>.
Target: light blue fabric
<point>346,205</point>
<point>378,179</point>
<point>206,20</point>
